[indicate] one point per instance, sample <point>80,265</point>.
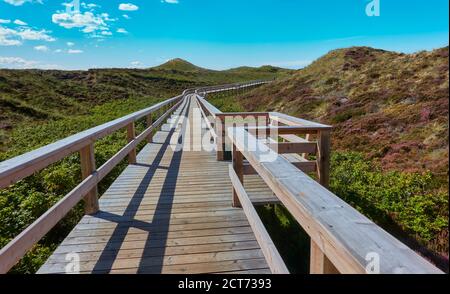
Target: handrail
<point>270,252</point>
<point>17,168</point>
<point>342,239</point>
<point>227,87</point>
<point>18,247</point>
<point>295,121</point>
<point>211,109</point>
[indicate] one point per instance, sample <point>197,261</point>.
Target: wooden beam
<point>288,147</point>
<point>131,135</point>
<point>294,121</point>
<point>323,158</point>
<point>149,124</point>
<point>319,263</point>
<point>283,130</point>
<point>268,248</point>
<point>304,166</point>
<point>219,129</point>
<point>238,167</point>
<point>87,159</point>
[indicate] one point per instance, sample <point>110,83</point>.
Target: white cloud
<point>170,1</point>
<point>41,48</point>
<point>89,5</point>
<point>126,16</point>
<point>30,34</point>
<point>88,22</point>
<point>16,62</point>
<point>136,63</point>
<point>106,33</point>
<point>20,22</point>
<point>70,44</point>
<point>14,37</point>
<point>74,51</point>
<point>58,51</point>
<point>20,2</point>
<point>19,62</point>
<point>5,21</point>
<point>128,7</point>
<point>8,37</point>
<point>122,31</point>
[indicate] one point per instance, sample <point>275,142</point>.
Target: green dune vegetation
<point>390,138</point>
<point>39,107</point>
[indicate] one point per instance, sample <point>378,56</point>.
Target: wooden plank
<point>131,135</point>
<point>87,160</point>
<point>149,121</point>
<point>288,147</point>
<point>238,168</point>
<point>319,263</point>
<point>305,166</point>
<point>323,158</point>
<point>219,129</point>
<point>268,248</point>
<point>59,255</point>
<point>294,121</point>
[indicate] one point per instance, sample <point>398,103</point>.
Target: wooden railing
<point>20,167</point>
<point>342,239</point>
<point>17,168</point>
<point>316,140</point>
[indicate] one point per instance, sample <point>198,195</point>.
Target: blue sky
<point>216,34</point>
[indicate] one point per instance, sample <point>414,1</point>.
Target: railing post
<point>220,142</point>
<point>87,160</point>
<point>307,138</point>
<point>149,123</point>
<point>238,166</point>
<point>323,157</point>
<point>319,263</point>
<point>131,135</point>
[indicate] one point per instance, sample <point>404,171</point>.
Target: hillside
<point>28,96</point>
<point>390,138</point>
<point>179,64</point>
<point>391,106</point>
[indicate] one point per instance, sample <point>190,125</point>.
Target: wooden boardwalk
<point>179,208</point>
<point>169,213</point>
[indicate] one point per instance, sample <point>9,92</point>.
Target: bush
<point>409,200</point>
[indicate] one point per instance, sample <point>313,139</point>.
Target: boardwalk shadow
<point>158,228</point>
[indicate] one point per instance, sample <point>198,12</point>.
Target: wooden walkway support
<point>181,208</point>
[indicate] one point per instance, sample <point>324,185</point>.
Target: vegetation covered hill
<point>179,64</point>
<point>390,138</point>
<point>29,96</point>
<point>391,106</point>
